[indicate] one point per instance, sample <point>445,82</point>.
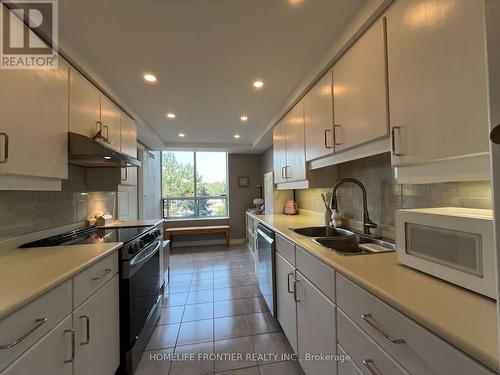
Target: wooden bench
<point>170,232</point>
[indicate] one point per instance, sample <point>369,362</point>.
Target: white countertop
<point>463,318</point>
<point>26,274</point>
<point>134,223</point>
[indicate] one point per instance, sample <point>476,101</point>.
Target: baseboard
<point>232,241</point>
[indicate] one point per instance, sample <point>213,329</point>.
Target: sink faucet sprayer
<point>367,223</point>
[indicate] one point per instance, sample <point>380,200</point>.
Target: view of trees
<point>178,181</point>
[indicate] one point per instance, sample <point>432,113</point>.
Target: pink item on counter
<point>291,208</point>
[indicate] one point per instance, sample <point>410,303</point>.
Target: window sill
<point>198,218</point>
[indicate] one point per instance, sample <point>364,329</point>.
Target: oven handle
<point>134,262</point>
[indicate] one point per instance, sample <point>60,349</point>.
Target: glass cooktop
<point>90,235</point>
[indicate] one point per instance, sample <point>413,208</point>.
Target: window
<point>194,184</point>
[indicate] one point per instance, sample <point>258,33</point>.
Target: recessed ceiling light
<point>258,84</point>
<point>107,157</point>
<point>237,136</point>
<point>182,135</point>
<point>243,118</point>
<point>171,115</point>
<point>150,77</point>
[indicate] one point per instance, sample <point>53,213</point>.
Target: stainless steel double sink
<point>345,242</point>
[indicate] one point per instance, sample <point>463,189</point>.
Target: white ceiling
<point>205,53</point>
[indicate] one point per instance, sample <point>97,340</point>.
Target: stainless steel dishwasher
<point>266,266</point>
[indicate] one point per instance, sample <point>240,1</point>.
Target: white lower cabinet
<point>316,329</point>
<point>56,338</point>
<point>49,356</point>
<point>287,312</point>
<point>97,349</point>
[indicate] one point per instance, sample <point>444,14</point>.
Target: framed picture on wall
<point>243,181</point>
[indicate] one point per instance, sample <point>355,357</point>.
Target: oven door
<point>139,292</point>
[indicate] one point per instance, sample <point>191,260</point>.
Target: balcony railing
<point>195,207</point>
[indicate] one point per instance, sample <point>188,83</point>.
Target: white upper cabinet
<point>128,135</point>
<point>360,91</point>
<point>84,105</point>
<point>295,169</point>
<point>110,119</point>
<point>34,122</point>
<point>279,152</point>
<point>318,119</point>
<point>437,81</point>
<point>90,111</point>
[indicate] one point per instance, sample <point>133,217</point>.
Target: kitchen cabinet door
<point>287,313</point>
<point>318,119</point>
<point>96,324</point>
<point>128,135</point>
<point>437,80</point>
<point>84,105</point>
<point>279,152</point>
<point>295,144</point>
<point>127,204</point>
<point>129,176</point>
<point>110,118</point>
<point>34,122</point>
<point>316,330</point>
<point>360,91</point>
<point>51,355</point>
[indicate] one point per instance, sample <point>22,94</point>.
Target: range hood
<point>87,152</point>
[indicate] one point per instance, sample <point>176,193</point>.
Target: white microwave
<point>454,244</point>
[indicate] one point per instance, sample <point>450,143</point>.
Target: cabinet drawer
<point>319,273</point>
<point>38,317</point>
<point>286,249</point>
<point>346,366</point>
<point>88,281</point>
<point>49,356</point>
<point>364,352</point>
<point>422,352</point>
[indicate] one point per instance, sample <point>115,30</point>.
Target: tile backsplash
<point>24,212</point>
<point>385,196</point>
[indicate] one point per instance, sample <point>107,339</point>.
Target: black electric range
<point>140,281</point>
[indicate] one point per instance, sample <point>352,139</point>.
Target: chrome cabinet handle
<point>295,291</point>
<point>288,168</point>
<point>283,173</point>
<point>369,365</point>
<point>288,286</point>
<point>106,137</point>
<point>87,327</point>
<point>368,318</point>
<point>326,138</point>
<point>38,323</point>
<point>335,142</point>
<point>72,332</point>
<point>106,271</point>
<point>393,141</point>
<point>125,174</point>
<point>6,148</point>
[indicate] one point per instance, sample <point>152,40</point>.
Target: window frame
<point>197,198</point>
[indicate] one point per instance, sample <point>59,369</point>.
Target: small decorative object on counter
<point>103,220</point>
<point>336,218</point>
<point>291,207</point>
<point>258,202</point>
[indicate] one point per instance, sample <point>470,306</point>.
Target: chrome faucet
<point>367,223</point>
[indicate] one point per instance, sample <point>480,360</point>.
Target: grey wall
<point>385,196</point>
<point>30,211</point>
<point>240,198</point>
<point>266,161</point>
